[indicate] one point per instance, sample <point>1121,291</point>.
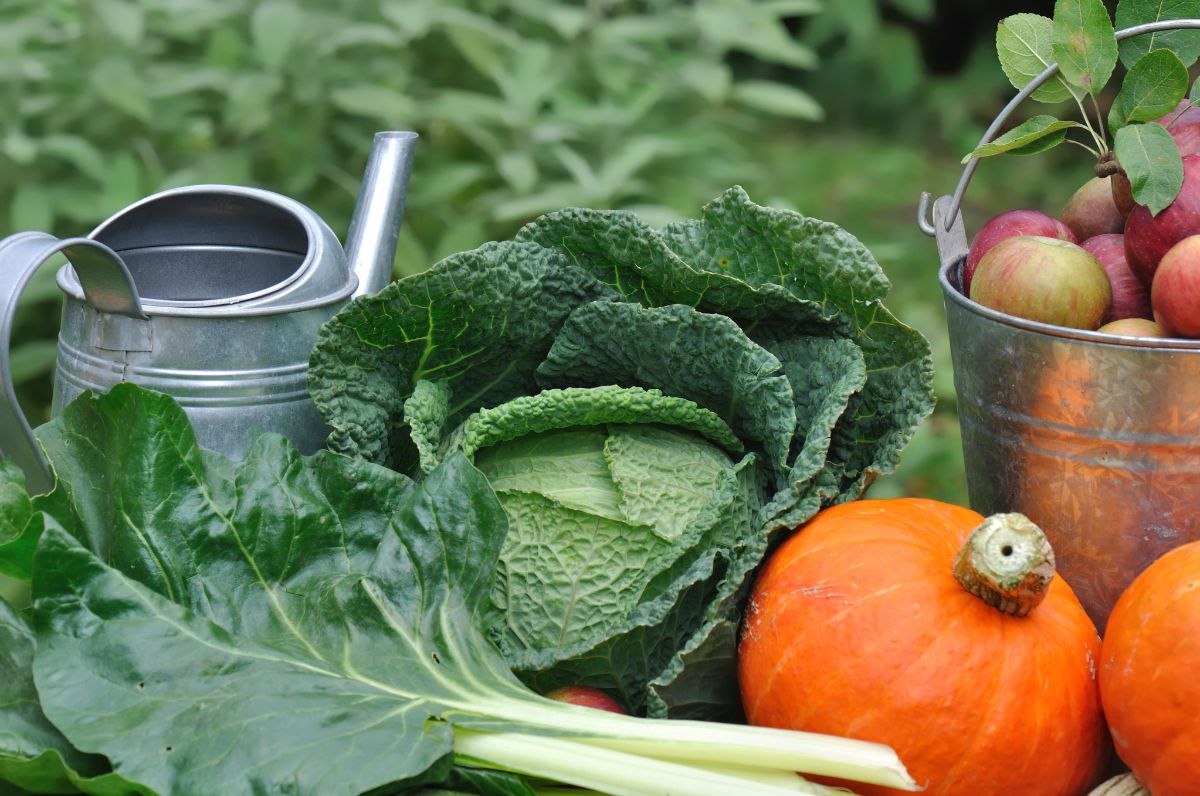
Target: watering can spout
<point>371,241</point>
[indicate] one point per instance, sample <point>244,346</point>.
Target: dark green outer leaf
<point>1184,43</point>
<point>701,357</point>
<point>1084,45</point>
<point>825,373</point>
<point>481,321</point>
<point>1152,162</point>
<point>1024,46</point>
<point>816,261</point>
<point>1153,87</point>
<point>897,397</point>
<point>620,250</point>
<point>34,756</point>
<point>321,623</point>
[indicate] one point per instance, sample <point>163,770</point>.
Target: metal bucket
<point>1095,437</point>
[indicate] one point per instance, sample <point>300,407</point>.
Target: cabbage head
<point>652,408</point>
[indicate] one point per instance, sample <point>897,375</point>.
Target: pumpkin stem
<point>1006,562</point>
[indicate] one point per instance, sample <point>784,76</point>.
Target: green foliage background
<point>844,110</point>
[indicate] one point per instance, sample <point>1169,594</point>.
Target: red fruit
<point>1175,294</point>
<point>1044,279</point>
<point>587,697</point>
<point>1091,210</point>
<point>1009,225</point>
<point>1147,237</point>
<point>1185,129</point>
<point>1130,296</point>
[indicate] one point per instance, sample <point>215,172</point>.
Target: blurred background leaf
<point>843,109</point>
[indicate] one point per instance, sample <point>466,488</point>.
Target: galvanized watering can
<point>212,294</point>
<point>1095,437</point>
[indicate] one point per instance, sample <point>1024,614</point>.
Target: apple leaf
<point>1084,43</point>
<point>1153,87</point>
<point>1023,43</point>
<point>1184,43</point>
<point>1152,162</point>
<point>1035,135</point>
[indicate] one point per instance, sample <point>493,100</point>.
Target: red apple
<point>1131,297</point>
<point>1091,211</point>
<point>1147,237</point>
<point>1133,327</point>
<point>1185,129</point>
<point>1175,293</point>
<point>1044,279</point>
<point>1009,225</point>
<point>587,697</point>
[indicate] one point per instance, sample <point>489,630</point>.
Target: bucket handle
<point>108,287</point>
<point>943,223</point>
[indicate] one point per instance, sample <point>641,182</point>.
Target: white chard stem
<point>605,770</point>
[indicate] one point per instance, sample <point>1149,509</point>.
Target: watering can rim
<point>320,237</point>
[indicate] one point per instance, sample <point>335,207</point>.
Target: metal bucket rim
<point>952,293</point>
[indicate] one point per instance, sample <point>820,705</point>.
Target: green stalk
<point>604,770</point>
<point>713,743</point>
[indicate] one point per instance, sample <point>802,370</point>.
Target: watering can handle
<point>951,214</point>
<point>108,287</point>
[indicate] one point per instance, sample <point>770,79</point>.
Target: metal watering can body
<point>212,294</point>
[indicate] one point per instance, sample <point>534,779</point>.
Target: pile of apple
<point>1105,264</point>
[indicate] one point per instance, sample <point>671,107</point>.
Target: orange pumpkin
<point>881,620</point>
<point>1150,674</point>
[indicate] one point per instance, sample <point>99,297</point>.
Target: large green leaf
<point>1024,44</point>
<point>1184,43</point>
<point>1152,162</point>
<point>280,623</point>
<point>34,755</point>
<point>1153,87</point>
<point>1083,43</point>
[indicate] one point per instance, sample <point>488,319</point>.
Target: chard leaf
<point>1024,43</point>
<point>34,755</point>
<point>1153,87</point>
<point>20,525</point>
<point>281,623</point>
<point>1152,162</point>
<point>1084,44</point>
<point>1184,43</point>
<point>1028,138</point>
<point>698,356</point>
